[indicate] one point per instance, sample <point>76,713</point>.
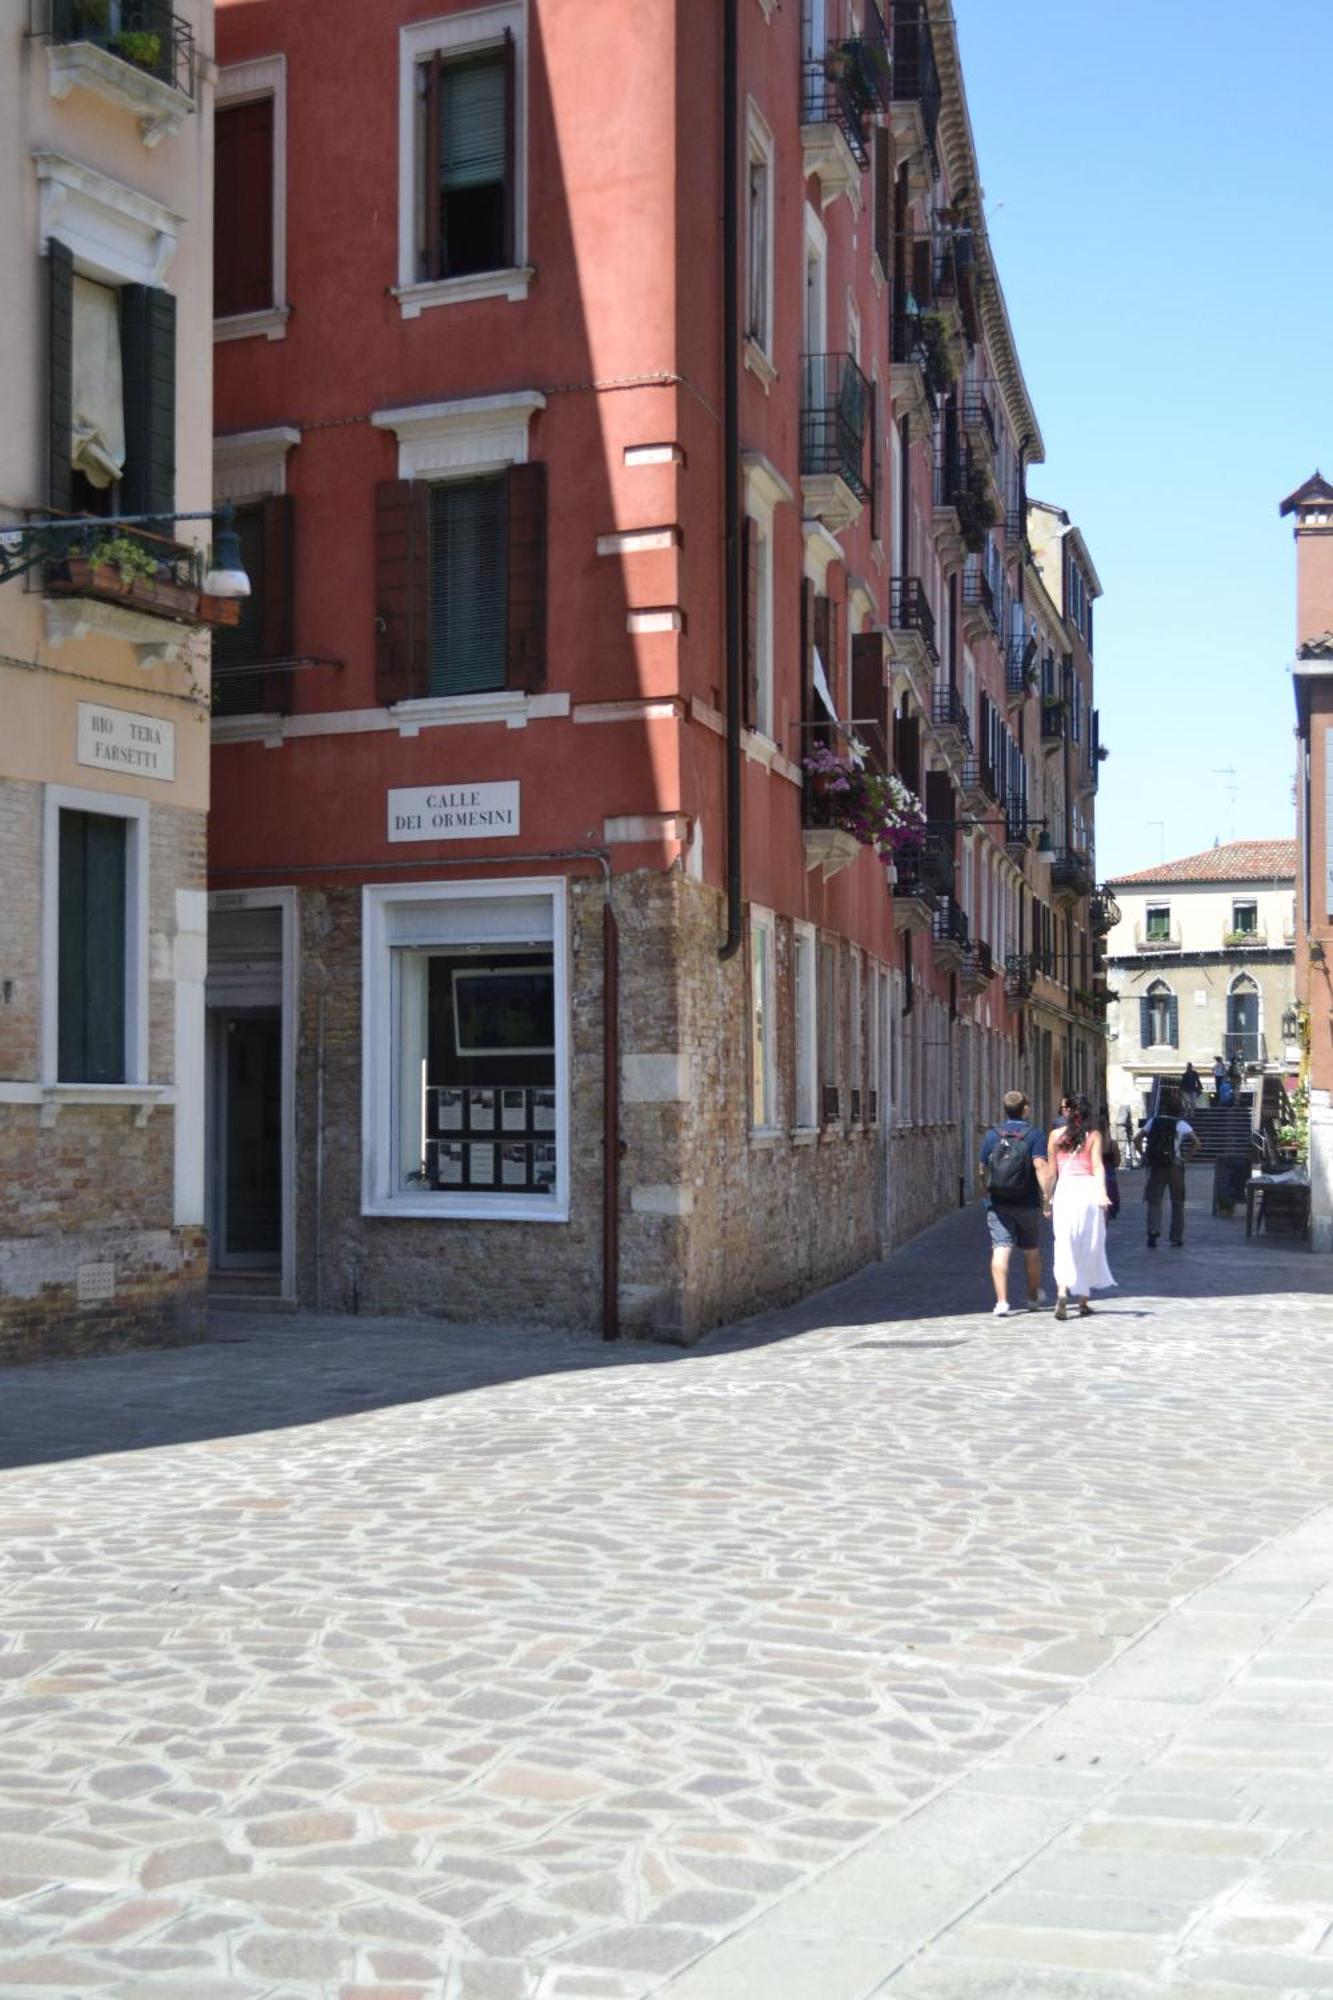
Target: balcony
<point>835,419</point>
<point>828,844</point>
<point>1071,877</point>
<point>953,272</point>
<point>132,585</point>
<point>1054,724</point>
<point>1251,940</point>
<point>915,101</point>
<point>1103,913</point>
<point>950,719</point>
<point>1020,669</point>
<point>979,421</point>
<point>1017,829</point>
<point>978,786</point>
<point>948,489</point>
<point>1157,939</point>
<point>1019,976</point>
<point>979,617</point>
<point>977,969</point>
<point>938,867</point>
<point>948,933</point>
<point>133,53</point>
<point>912,628</point>
<point>913,901</point>
<point>842,96</point>
<point>915,364</point>
<point>1249,1048</point>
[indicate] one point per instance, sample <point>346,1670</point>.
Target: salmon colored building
<point>1311,507</point>
<point>621,410</point>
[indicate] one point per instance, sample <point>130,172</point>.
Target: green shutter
<point>472,124</point>
<point>91,968</point>
<point>468,586</point>
<point>148,358</point>
<point>59,375</point>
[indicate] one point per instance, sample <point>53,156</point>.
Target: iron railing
<point>937,863</point>
<point>977,592</point>
<point>1018,976</point>
<point>1103,913</point>
<point>909,868</point>
<point>835,420</point>
<point>979,416</point>
<point>978,776</point>
<point>909,611</point>
<point>849,85</point>
<point>1019,658</point>
<point>977,965</point>
<point>915,78</point>
<point>1070,872</point>
<point>144,33</point>
<point>1054,723</point>
<point>947,711</point>
<point>950,470</point>
<point>949,924</point>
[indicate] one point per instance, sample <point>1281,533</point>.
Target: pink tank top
<point>1078,1164</point>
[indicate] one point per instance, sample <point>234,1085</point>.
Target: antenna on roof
<point>1229,771</point>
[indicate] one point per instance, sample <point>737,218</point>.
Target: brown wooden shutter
<point>428,250</point>
<point>868,694</point>
<point>60,376</point>
<point>807,660</point>
<point>922,286</point>
<point>148,367</point>
<point>883,201</point>
<point>243,208</point>
<point>277,629</point>
<point>750,581</point>
<point>823,642</point>
<point>909,752</point>
<point>511,151</point>
<point>525,649</point>
<point>876,526</point>
<point>402,598</point>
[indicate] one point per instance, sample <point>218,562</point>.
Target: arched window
<point>1243,1040</point>
<point>1159,1017</point>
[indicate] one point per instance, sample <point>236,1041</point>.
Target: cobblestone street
<point>876,1647</point>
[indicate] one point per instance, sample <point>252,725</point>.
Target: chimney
<point>1312,505</point>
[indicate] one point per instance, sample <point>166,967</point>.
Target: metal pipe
<point>731,432</point>
<point>319,1157</point>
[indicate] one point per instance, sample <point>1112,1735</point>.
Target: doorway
<point>250,1095</point>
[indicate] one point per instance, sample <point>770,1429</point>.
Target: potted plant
<point>874,807</point>
<point>977,511</point>
<point>941,367</point>
<point>140,46</point>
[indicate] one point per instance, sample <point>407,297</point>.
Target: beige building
<point>1201,964</point>
<point>106,330</point>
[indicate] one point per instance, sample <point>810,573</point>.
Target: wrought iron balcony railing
<point>1053,722</point>
<point>909,611</point>
<point>950,471</point>
<point>979,416</point>
<point>850,84</point>
<point>146,34</point>
<point>1020,664</point>
<point>1070,873</point>
<point>1103,913</point>
<point>915,77</point>
<point>950,923</point>
<point>1019,974</point>
<point>835,420</point>
<point>947,711</point>
<point>977,966</point>
<point>937,864</point>
<point>977,592</point>
<point>909,868</point>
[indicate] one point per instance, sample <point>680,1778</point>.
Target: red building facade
<point>545,980</point>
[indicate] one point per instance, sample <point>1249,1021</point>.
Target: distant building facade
<point>1311,509</point>
<point>1201,963</point>
<point>106,328</point>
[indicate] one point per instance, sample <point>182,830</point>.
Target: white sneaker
<point>1037,1304</point>
<point>1001,1310</point>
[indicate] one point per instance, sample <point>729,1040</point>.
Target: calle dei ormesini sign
<point>454,812</point>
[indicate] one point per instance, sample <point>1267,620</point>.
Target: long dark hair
<point>1078,1126</point>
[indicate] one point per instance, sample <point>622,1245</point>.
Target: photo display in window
<point>485,1104</point>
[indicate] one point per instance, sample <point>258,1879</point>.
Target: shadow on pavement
<point>261,1372</point>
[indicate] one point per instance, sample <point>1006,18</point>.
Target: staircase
<point>1223,1133</point>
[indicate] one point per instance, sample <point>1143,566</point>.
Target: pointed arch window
<point>1159,1022</point>
<point>1244,1044</point>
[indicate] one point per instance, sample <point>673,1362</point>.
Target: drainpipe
<point>731,432</point>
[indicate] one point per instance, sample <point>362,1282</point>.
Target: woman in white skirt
<point>1073,1177</point>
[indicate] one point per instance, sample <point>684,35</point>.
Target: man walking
<point>1168,1141</point>
<point>1013,1198</point>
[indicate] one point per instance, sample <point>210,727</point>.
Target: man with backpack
<point>1168,1141</point>
<point>1013,1198</point>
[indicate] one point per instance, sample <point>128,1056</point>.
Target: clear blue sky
<point>1157,193</point>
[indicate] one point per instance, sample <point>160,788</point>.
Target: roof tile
<point>1236,861</point>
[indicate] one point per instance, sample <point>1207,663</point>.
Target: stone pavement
<point>877,1647</point>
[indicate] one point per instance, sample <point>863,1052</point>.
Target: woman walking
<point>1074,1183</point>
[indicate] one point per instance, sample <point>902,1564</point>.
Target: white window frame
<point>455,35</point>
<point>856,1083</point>
<point>815,336</point>
<point>114,805</point>
<point>760,150</point>
<point>805,1015</point>
<point>1149,911</point>
<point>874,1079</point>
<point>763,1025</point>
<point>243,83</point>
<point>765,491</point>
<point>379,1056</point>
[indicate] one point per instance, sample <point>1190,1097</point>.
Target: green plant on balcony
<point>139,46</point>
<point>977,511</point>
<point>937,341</point>
<point>130,559</point>
<point>876,808</point>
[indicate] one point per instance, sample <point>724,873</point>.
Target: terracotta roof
<point>1237,861</point>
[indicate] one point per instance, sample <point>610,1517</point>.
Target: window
<point>806,1014</point>
<point>874,1060</point>
<point>759,232</point>
<point>1243,1040</point>
<point>830,1102</point>
<point>1159,1017</point>
<point>758,624</point>
<point>465,1073</point>
<point>855,1040</point>
<point>462,158</point>
<point>1157,923</point>
<point>1244,919</point>
<point>95,940</point>
<point>111,355</point>
<point>468,585</point>
<point>263,632</point>
<point>250,200</point>
<point>763,1065</point>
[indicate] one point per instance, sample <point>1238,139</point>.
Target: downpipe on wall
<point>731,419</point>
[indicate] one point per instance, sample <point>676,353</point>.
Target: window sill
<point>52,1098</point>
<point>506,705</point>
<point>764,1137</point>
<point>511,284</point>
<point>804,1135</point>
<point>467,1208</point>
<point>272,323</point>
<point>759,365</point>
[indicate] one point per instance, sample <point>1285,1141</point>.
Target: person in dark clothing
<point>1168,1142</point>
<point>1014,1198</point>
<point>1190,1086</point>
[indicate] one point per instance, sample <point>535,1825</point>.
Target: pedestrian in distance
<point>1009,1155</point>
<point>1073,1180</point>
<point>1219,1077</point>
<point>1127,1120</point>
<point>1111,1162</point>
<point>1190,1086</point>
<point>1169,1141</point>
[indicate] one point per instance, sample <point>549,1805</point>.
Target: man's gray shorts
<point>1014,1228</point>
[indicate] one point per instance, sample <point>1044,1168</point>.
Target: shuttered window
<point>263,633</point>
<point>1159,1018</point>
<point>243,208</point>
<point>148,386</point>
<point>468,585</point>
<point>467,139</point>
<point>91,963</point>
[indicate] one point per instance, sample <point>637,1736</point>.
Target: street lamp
<point>28,543</point>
